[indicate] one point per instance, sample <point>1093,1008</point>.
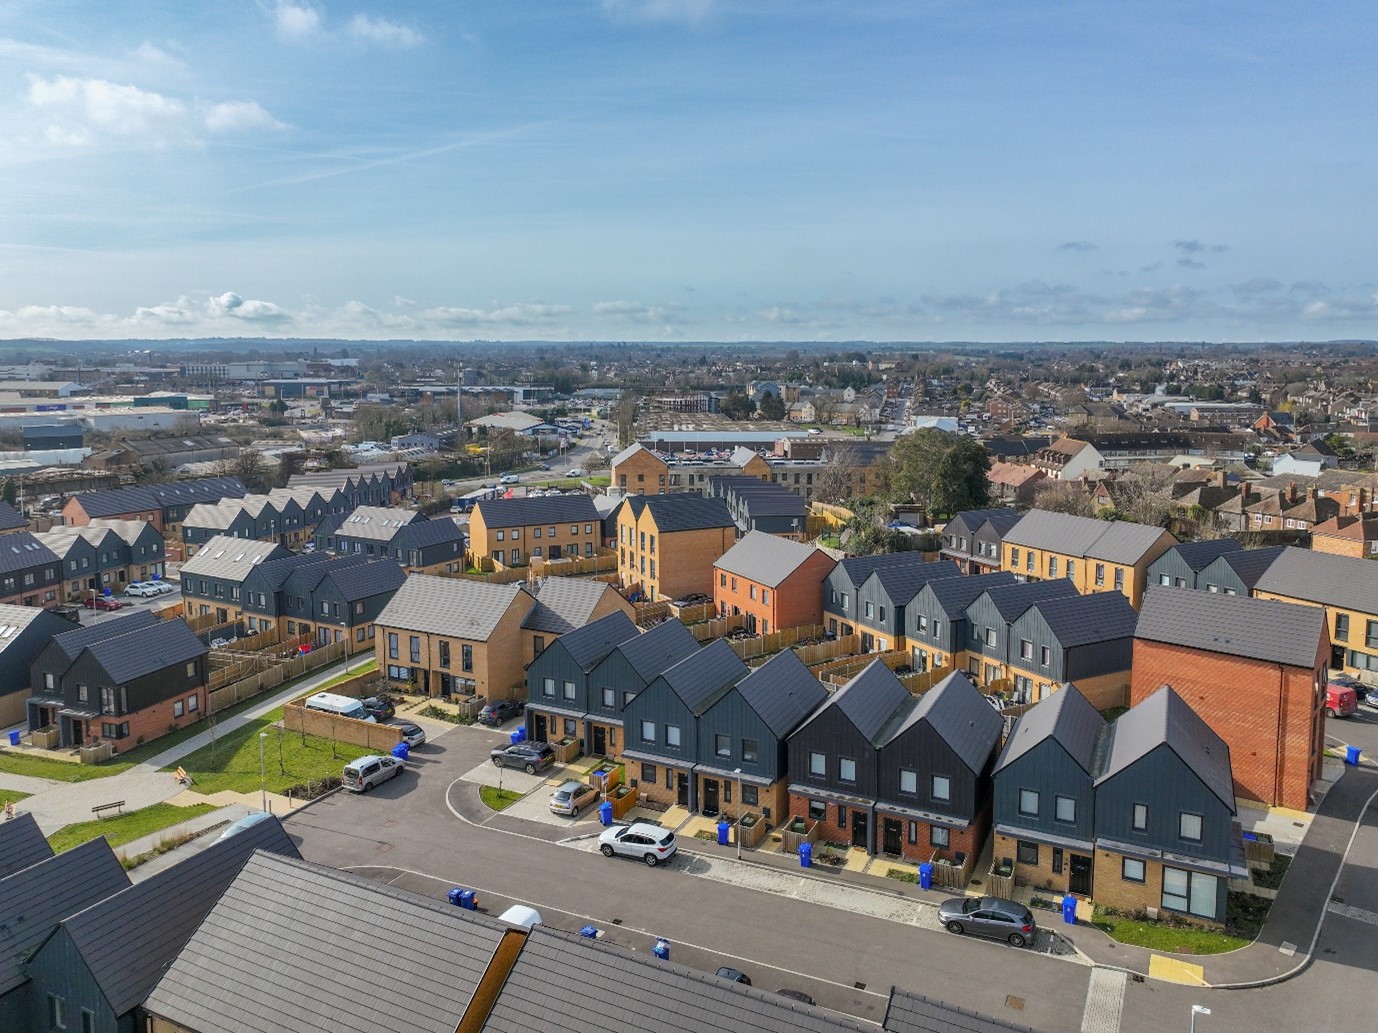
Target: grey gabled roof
<point>630,451</point>
<point>1196,555</point>
<point>545,509</point>
<point>297,946</point>
<point>357,581</point>
<point>1116,541</point>
<point>588,645</point>
<point>20,550</point>
<point>682,511</point>
<point>128,940</point>
<point>71,643</point>
<point>424,533</point>
<point>274,573</point>
<point>902,581</point>
<point>21,844</point>
<point>1249,565</point>
<point>956,710</point>
<point>1346,582</point>
<point>1011,600</point>
<point>611,988</point>
<point>766,559</point>
<point>451,606</point>
<point>1236,625</point>
<point>1001,518</point>
<point>1165,718</point>
<point>230,559</point>
<point>11,518</point>
<point>1077,620</point>
<point>35,899</point>
<point>147,651</point>
<point>954,595</point>
<point>658,648</point>
<point>701,678</point>
<point>859,568</point>
<point>869,700</point>
<point>565,603</point>
<point>782,692</point>
<point>914,1013</point>
<point>1124,542</point>
<point>1065,716</point>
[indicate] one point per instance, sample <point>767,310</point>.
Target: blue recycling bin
<point>589,932</point>
<point>805,855</point>
<point>468,900</point>
<point>1069,909</point>
<point>926,876</point>
<point>401,751</point>
<point>14,737</point>
<point>521,733</point>
<point>605,812</point>
<point>661,949</point>
<point>723,828</point>
<point>514,737</point>
<point>1351,753</point>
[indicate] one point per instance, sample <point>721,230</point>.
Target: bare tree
<point>825,407</point>
<point>1063,497</point>
<point>834,482</point>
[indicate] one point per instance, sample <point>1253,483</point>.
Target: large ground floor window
<point>1191,892</point>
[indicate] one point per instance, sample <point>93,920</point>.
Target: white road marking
<point>1104,1001</point>
<point>1356,913</point>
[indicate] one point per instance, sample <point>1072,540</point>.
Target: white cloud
<point>231,304</point>
<point>636,312</point>
<point>534,314</point>
<point>295,20</point>
<point>238,116</point>
<point>383,32</point>
<point>146,54</point>
<point>689,12</point>
<point>78,111</point>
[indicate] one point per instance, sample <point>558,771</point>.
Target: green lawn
<point>12,762</point>
<point>1160,936</point>
<point>290,759</point>
<point>368,667</point>
<point>11,796</point>
<point>127,827</point>
<point>498,799</point>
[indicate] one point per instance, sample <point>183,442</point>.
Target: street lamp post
<point>262,769</point>
<point>1197,1009</point>
<point>738,773</point>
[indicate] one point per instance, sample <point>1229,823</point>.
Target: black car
<point>496,711</point>
<point>379,708</point>
<point>531,757</point>
<point>733,975</point>
<point>797,995</point>
<point>68,612</point>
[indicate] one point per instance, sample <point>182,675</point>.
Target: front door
<point>555,552</point>
<point>859,828</point>
<point>600,741</point>
<point>1337,657</point>
<point>78,729</point>
<point>868,642</point>
<point>892,836</point>
<point>1080,880</point>
<point>710,796</point>
<point>542,728</point>
<point>682,790</point>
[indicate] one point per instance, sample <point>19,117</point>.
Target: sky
<point>699,170</point>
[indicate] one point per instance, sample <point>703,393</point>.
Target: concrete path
<point>209,820</point>
<point>27,783</point>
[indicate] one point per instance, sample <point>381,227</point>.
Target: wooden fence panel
<point>235,692</point>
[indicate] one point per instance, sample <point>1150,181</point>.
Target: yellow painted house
<point>1095,555</point>
<point>1345,586</point>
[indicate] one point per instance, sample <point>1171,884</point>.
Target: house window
<point>571,726</point>
<point>648,731</point>
<point>1191,892</point>
<point>818,810</point>
<point>1341,627</point>
<point>1026,853</point>
<point>627,696</point>
<point>609,699</point>
<point>1119,579</point>
<point>568,690</point>
<point>648,774</point>
<point>672,736</point>
<point>392,645</point>
<point>1071,570</point>
<point>1029,562</point>
<point>548,688</point>
<point>1064,809</point>
<point>415,648</point>
<point>751,795</point>
<point>502,536</point>
<point>939,837</point>
<point>1052,566</point>
<point>1132,870</point>
<point>1140,818</point>
<point>909,782</point>
<point>49,682</point>
<point>1025,649</point>
<point>942,788</point>
<point>818,765</point>
<point>1014,557</point>
<point>178,708</point>
<point>1045,655</point>
<point>722,745</point>
<point>57,1012</point>
<point>751,751</point>
<point>1028,803</point>
<point>193,704</point>
<point>1100,575</point>
<point>841,817</point>
<point>870,608</point>
<point>765,595</point>
<point>444,650</point>
<point>846,769</point>
<point>1165,580</point>
<point>1189,826</point>
<point>990,636</point>
<point>466,658</point>
<point>537,645</point>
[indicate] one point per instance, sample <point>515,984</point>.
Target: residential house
<point>22,844</point>
<point>252,517</point>
<point>908,1012</point>
<point>379,484</point>
<point>11,519</point>
<point>1181,566</point>
<point>1093,554</point>
<point>1254,670</point>
<point>935,620</point>
<point>636,470</point>
<point>164,506</point>
<point>559,694</point>
<point>33,901</point>
<point>881,600</point>
<point>94,560</point>
<point>30,572</point>
<point>419,545</point>
<point>1310,460</point>
<point>756,505</point>
<point>144,549</point>
<point>1290,510</point>
<point>989,617</point>
<point>1355,536</point>
<point>213,578</point>
<point>850,573</point>
<point>1081,640</point>
<point>552,527</point>
<point>667,544</point>
<point>103,961</point>
<point>339,600</point>
<point>774,582</point>
<point>1166,839</point>
<point>1014,484</point>
<point>973,539</point>
<point>1045,796</point>
<point>1068,459</point>
<point>24,632</point>
<point>1346,588</point>
<point>1237,572</point>
<point>127,682</point>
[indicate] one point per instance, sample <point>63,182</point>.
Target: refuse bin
<point>468,900</point>
<point>401,751</point>
<point>14,741</point>
<point>723,828</point>
<point>661,949</point>
<point>521,733</point>
<point>589,932</point>
<point>605,812</point>
<point>1351,752</point>
<point>515,737</point>
<point>926,876</point>
<point>1069,909</point>
<point>806,855</point>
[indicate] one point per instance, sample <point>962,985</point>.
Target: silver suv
<point>363,774</point>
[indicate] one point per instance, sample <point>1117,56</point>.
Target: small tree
<point>737,406</point>
<point>10,491</point>
<point>772,406</point>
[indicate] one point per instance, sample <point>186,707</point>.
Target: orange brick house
<point>1347,535</point>
<point>776,583</point>
<point>667,544</point>
<point>1254,670</point>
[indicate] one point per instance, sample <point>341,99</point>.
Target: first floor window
<point>1065,809</point>
<point>57,1012</point>
<point>1132,870</point>
<point>1028,803</point>
<point>548,687</point>
<point>818,810</point>
<point>846,769</point>
<point>672,736</point>
<point>818,765</point>
<point>1027,853</point>
<point>939,837</point>
<point>648,731</point>
<point>1189,827</point>
<point>1191,892</point>
<point>942,788</point>
<point>909,782</point>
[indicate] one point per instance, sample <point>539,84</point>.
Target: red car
<point>101,602</point>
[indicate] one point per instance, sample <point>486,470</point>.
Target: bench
<point>117,805</point>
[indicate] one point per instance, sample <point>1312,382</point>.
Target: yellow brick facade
<point>667,566</point>
<point>1088,574</point>
<point>642,473</point>
<point>514,545</point>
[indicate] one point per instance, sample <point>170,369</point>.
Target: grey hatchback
<point>1002,919</point>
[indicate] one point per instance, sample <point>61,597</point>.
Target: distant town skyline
<point>688,170</point>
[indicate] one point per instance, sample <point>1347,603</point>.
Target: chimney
<point>1221,478</point>
<point>1246,490</point>
<point>1292,492</point>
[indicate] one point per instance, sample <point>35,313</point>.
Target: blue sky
<point>688,169</point>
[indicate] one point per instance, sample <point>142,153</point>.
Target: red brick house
<point>775,582</point>
<point>1254,670</point>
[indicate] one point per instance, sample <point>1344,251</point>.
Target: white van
<point>341,706</point>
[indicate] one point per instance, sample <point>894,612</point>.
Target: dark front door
<point>682,797</point>
<point>542,728</point>
<point>1337,657</point>
<point>78,728</point>
<point>600,741</point>
<point>1080,879</point>
<point>555,552</point>
<point>868,642</point>
<point>859,828</point>
<point>892,836</point>
<point>710,796</point>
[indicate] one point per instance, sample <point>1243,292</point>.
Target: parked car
<point>380,708</point>
<point>574,471</point>
<point>572,797</point>
<point>496,711</point>
<point>733,975</point>
<point>531,757</point>
<point>797,995</point>
<point>363,774</point>
<point>544,466</point>
<point>413,735</point>
<point>1002,919</point>
<point>641,839</point>
<point>1342,696</point>
<point>1371,698</point>
<point>508,478</point>
<point>142,589</point>
<point>103,602</point>
<point>68,612</point>
<point>246,822</point>
<point>163,587</point>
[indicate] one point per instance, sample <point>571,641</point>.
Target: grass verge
<point>12,796</point>
<point>127,827</point>
<point>498,799</point>
<point>1166,937</point>
<point>369,667</point>
<point>290,759</point>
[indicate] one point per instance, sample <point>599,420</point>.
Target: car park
<point>496,711</point>
<point>733,975</point>
<point>572,797</point>
<point>68,612</point>
<point>531,757</point>
<point>380,708</point>
<point>142,589</point>
<point>642,840</point>
<point>363,774</point>
<point>996,917</point>
<point>413,735</point>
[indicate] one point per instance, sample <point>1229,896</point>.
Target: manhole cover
<point>391,823</point>
<point>1017,1003</point>
<point>1336,900</point>
<point>384,848</point>
<point>617,921</point>
<point>1137,978</point>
